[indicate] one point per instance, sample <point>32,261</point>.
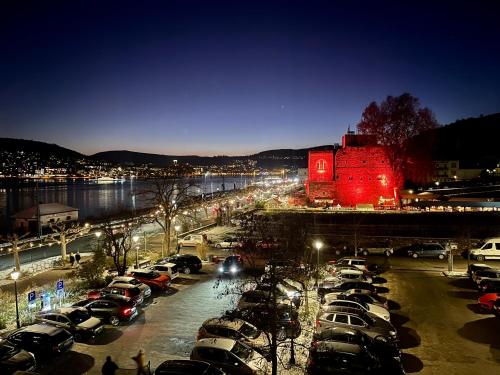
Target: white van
<point>490,249</point>
<point>169,269</point>
<point>191,240</point>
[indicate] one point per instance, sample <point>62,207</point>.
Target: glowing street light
<point>177,228</point>
<point>317,245</point>
<point>98,235</point>
<point>135,239</point>
<point>15,275</point>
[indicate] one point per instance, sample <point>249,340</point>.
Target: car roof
<point>46,329</point>
<point>62,310</point>
<point>219,343</point>
<point>351,271</point>
<point>225,322</point>
<point>337,346</point>
<point>187,366</point>
<point>124,279</point>
<point>168,264</point>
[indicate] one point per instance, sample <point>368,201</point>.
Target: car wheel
<point>187,270</point>
<point>387,253</point>
<point>218,246</point>
<point>364,252</point>
<point>480,257</point>
<point>414,255</point>
<point>441,256</point>
<point>113,320</point>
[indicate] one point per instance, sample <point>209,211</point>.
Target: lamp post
<point>135,239</point>
<point>98,235</point>
<point>291,362</point>
<point>15,275</point>
<point>318,245</point>
<point>177,228</point>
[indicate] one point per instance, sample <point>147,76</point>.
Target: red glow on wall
<point>320,166</point>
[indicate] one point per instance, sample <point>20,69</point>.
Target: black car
<point>43,340</point>
<point>77,320</point>
<point>489,286</point>
<point>187,367</point>
<point>111,309</point>
<point>186,263</point>
<point>13,358</point>
<point>474,267</point>
<point>232,265</point>
<point>261,316</point>
<point>496,308</point>
<point>329,287</point>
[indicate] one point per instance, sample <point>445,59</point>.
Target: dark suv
<point>77,320</point>
<point>111,309</point>
<point>427,250</point>
<point>44,340</point>
<point>13,358</point>
<point>186,263</point>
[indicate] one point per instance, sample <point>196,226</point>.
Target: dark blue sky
<point>235,77</point>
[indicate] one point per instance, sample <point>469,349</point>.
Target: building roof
<point>45,209</point>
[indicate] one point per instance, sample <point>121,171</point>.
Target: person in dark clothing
<point>109,367</point>
<point>77,258</point>
<point>72,259</point>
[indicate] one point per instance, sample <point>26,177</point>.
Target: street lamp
<point>15,275</point>
<point>318,245</point>
<point>135,239</point>
<point>98,235</point>
<point>177,228</point>
<point>291,361</point>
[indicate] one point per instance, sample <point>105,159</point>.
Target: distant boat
<point>108,180</point>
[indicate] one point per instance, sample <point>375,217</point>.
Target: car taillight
<point>318,323</point>
<point>127,311</point>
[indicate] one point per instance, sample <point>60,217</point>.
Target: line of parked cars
<point>55,331</point>
<point>353,332</point>
<point>487,280</point>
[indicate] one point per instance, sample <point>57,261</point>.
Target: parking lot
<point>440,328</point>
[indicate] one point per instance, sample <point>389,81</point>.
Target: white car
<point>358,295</point>
<point>228,243</point>
<point>489,250</point>
<point>358,262</point>
<point>169,269</point>
<point>349,275</point>
<point>191,240</point>
<point>231,356</point>
<point>131,282</point>
<point>368,307</point>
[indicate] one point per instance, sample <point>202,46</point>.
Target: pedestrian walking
<point>72,259</point>
<point>140,360</point>
<point>178,248</point>
<point>77,258</point>
<point>109,367</point>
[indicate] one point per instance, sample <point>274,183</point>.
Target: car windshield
<point>241,351</point>
<point>79,316</point>
<point>249,331</point>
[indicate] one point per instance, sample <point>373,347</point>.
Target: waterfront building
<point>45,214</point>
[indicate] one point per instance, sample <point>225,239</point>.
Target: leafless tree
<point>67,233</point>
<point>171,197</point>
<point>17,246</point>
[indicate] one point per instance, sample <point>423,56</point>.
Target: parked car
<point>191,240</point>
<point>487,300</point>
<point>496,308</point>
<point>486,274</point>
<point>373,309</point>
<point>187,367</point>
<point>329,287</point>
<point>346,274</point>
<point>123,290</point>
<point>237,329</point>
<point>474,267</point>
<point>489,286</point>
<point>131,281</point>
<point>169,269</point>
<point>338,357</point>
<point>228,243</point>
<point>111,309</point>
<point>13,358</point>
<point>233,265</point>
<point>151,278</point>
<point>252,298</point>
<point>490,249</point>
<point>358,262</point>
<point>186,263</point>
<point>368,323</point>
<point>279,266</point>
<point>261,316</point>
<point>267,244</point>
<point>76,320</point>
<point>377,248</point>
<point>358,295</point>
<point>43,340</point>
<point>428,250</point>
<point>229,355</point>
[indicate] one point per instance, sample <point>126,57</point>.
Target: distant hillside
<point>44,149</point>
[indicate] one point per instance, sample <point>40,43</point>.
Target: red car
<point>152,278</point>
<point>487,300</point>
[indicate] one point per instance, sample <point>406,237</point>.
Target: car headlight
<point>221,269</point>
<point>392,333</point>
<point>233,269</point>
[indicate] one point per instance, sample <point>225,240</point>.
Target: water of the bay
<point>95,200</point>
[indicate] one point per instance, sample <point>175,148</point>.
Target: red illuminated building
<point>357,173</point>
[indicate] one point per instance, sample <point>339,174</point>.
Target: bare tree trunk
<point>63,247</point>
<point>17,263</point>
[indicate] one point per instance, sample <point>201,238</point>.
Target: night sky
<point>235,77</point>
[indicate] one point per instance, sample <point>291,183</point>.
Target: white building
<point>49,213</point>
